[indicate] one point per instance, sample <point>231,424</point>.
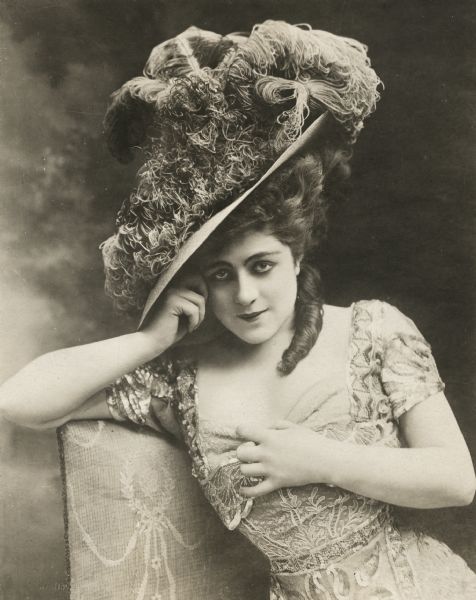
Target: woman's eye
<point>221,275</point>
<point>262,267</point>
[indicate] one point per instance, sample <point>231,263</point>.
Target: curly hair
<point>212,113</point>
<point>292,206</point>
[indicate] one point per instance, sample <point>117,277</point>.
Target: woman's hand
<point>73,379</point>
<point>285,455</point>
<point>180,311</point>
<point>435,471</point>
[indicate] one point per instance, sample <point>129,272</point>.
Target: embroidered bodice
<point>321,541</point>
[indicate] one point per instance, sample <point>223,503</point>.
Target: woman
<point>312,419</point>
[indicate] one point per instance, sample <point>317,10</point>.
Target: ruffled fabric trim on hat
<point>212,113</point>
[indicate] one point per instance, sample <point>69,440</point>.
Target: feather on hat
<point>213,113</point>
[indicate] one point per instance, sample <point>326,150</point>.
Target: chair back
<point>138,526</point>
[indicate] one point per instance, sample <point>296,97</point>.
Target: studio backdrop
<point>402,229</point>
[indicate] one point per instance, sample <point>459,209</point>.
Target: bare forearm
<point>55,384</point>
<point>434,471</point>
<point>414,477</point>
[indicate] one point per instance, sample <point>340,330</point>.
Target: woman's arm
<point>69,384</point>
<point>434,472</point>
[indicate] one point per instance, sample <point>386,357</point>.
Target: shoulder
<point>336,325</point>
<point>361,315</point>
<point>386,332</point>
<point>336,315</point>
<point>160,375</point>
<point>393,338</point>
<point>384,317</point>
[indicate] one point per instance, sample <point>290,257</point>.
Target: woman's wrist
<point>341,466</point>
<point>149,346</point>
<point>325,463</point>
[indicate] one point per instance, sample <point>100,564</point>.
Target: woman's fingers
<point>262,488</point>
<point>249,431</point>
<point>193,287</point>
<point>253,470</point>
<point>194,282</point>
<point>179,311</point>
<point>195,298</point>
<point>184,308</point>
<point>248,452</point>
<point>188,303</point>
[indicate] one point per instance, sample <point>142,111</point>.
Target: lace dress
<point>322,542</point>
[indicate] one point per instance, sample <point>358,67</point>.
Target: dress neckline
<point>189,402</point>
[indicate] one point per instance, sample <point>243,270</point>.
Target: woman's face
<point>252,286</point>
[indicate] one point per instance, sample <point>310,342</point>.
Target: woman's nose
<point>246,291</point>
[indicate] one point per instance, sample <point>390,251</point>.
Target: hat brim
<point>201,235</point>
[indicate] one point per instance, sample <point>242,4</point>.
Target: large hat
<point>216,116</point>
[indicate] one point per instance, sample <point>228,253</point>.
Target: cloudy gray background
<point>403,230</point>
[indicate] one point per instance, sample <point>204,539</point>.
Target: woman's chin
<point>254,337</point>
<point>254,341</point>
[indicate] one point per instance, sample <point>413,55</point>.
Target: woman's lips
<point>252,316</point>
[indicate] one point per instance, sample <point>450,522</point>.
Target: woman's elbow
<point>21,421</point>
<point>459,483</point>
<point>14,413</point>
<point>466,491</point>
<point>463,486</point>
<point>6,414</point>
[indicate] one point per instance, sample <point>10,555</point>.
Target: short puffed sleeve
<point>144,396</point>
<point>408,370</point>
